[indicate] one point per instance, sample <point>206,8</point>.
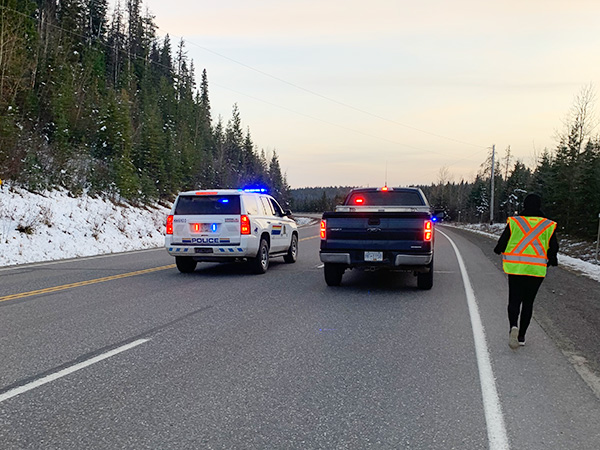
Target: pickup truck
<point>379,228</point>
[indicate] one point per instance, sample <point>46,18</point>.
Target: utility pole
<point>492,193</point>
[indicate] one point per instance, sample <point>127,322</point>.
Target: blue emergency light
<point>256,190</point>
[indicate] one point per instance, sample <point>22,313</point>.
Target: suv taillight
<point>244,224</point>
<point>323,229</point>
<point>428,231</point>
<point>170,225</point>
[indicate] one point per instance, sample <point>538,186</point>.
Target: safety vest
<point>527,249</point>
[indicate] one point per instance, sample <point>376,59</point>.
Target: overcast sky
<point>342,89</point>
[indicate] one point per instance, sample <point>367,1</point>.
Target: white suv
<point>227,225</point>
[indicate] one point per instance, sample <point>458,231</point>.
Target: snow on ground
<point>52,225</point>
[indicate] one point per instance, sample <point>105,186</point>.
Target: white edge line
<point>496,428</point>
<point>61,373</point>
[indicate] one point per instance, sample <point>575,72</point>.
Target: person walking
<point>528,245</point>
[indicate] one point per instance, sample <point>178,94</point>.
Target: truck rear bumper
<point>336,258</point>
<point>399,259</point>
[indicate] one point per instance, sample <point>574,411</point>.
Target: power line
<point>346,105</point>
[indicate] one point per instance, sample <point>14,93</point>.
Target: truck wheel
<point>185,264</point>
<point>292,253</point>
<point>425,279</point>
<point>260,264</point>
<point>333,274</point>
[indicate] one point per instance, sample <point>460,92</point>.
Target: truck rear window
<point>389,198</point>
<point>207,204</point>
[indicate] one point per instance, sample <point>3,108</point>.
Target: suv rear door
<point>207,219</point>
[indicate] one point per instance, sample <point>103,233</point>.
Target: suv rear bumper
<point>247,248</point>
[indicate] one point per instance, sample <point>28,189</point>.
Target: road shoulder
<point>567,307</point>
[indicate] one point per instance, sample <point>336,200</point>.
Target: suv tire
<point>260,263</point>
<point>292,254</point>
<point>185,264</point>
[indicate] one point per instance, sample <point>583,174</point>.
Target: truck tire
<point>292,254</point>
<point>333,274</point>
<point>185,264</point>
<point>260,263</point>
<point>425,279</point>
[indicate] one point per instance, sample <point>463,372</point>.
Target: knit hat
<point>532,206</point>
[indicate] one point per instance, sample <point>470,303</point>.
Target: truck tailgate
<point>377,231</point>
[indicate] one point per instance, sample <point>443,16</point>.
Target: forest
<point>99,104</point>
<point>93,101</point>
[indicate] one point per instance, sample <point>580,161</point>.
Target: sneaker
<point>512,340</point>
<point>522,341</point>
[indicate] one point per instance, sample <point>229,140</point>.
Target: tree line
<point>97,103</point>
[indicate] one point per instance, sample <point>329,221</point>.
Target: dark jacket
<point>552,245</point>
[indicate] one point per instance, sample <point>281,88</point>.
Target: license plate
<point>373,256</point>
<point>204,227</point>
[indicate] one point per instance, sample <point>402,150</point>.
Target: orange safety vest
<point>527,249</point>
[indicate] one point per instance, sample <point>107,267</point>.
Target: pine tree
<point>587,201</point>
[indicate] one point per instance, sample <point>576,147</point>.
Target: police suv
<point>227,225</point>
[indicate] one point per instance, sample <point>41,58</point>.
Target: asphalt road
<point>123,351</point>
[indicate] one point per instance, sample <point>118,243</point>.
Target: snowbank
<point>52,225</point>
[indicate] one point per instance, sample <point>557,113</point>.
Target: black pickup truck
<point>379,228</point>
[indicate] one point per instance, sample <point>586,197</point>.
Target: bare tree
<point>581,119</point>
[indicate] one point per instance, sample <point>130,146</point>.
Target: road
<point>123,351</point>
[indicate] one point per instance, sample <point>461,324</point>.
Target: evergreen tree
<point>277,182</point>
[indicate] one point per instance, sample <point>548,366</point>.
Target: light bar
<point>255,190</point>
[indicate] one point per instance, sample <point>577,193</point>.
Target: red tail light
<point>428,235</point>
<point>323,229</point>
<point>244,225</point>
<point>170,225</point>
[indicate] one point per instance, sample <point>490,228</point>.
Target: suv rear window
<point>207,204</point>
<point>389,198</point>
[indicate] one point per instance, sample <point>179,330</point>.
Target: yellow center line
<point>83,283</point>
<point>307,238</point>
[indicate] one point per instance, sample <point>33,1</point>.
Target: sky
<point>355,93</point>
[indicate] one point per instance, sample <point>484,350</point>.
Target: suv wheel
<point>333,274</point>
<point>185,264</point>
<point>260,264</point>
<point>292,253</point>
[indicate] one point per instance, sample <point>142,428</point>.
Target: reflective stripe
<point>538,248</point>
<point>531,234</point>
<point>525,259</point>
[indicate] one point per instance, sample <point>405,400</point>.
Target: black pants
<point>522,290</point>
